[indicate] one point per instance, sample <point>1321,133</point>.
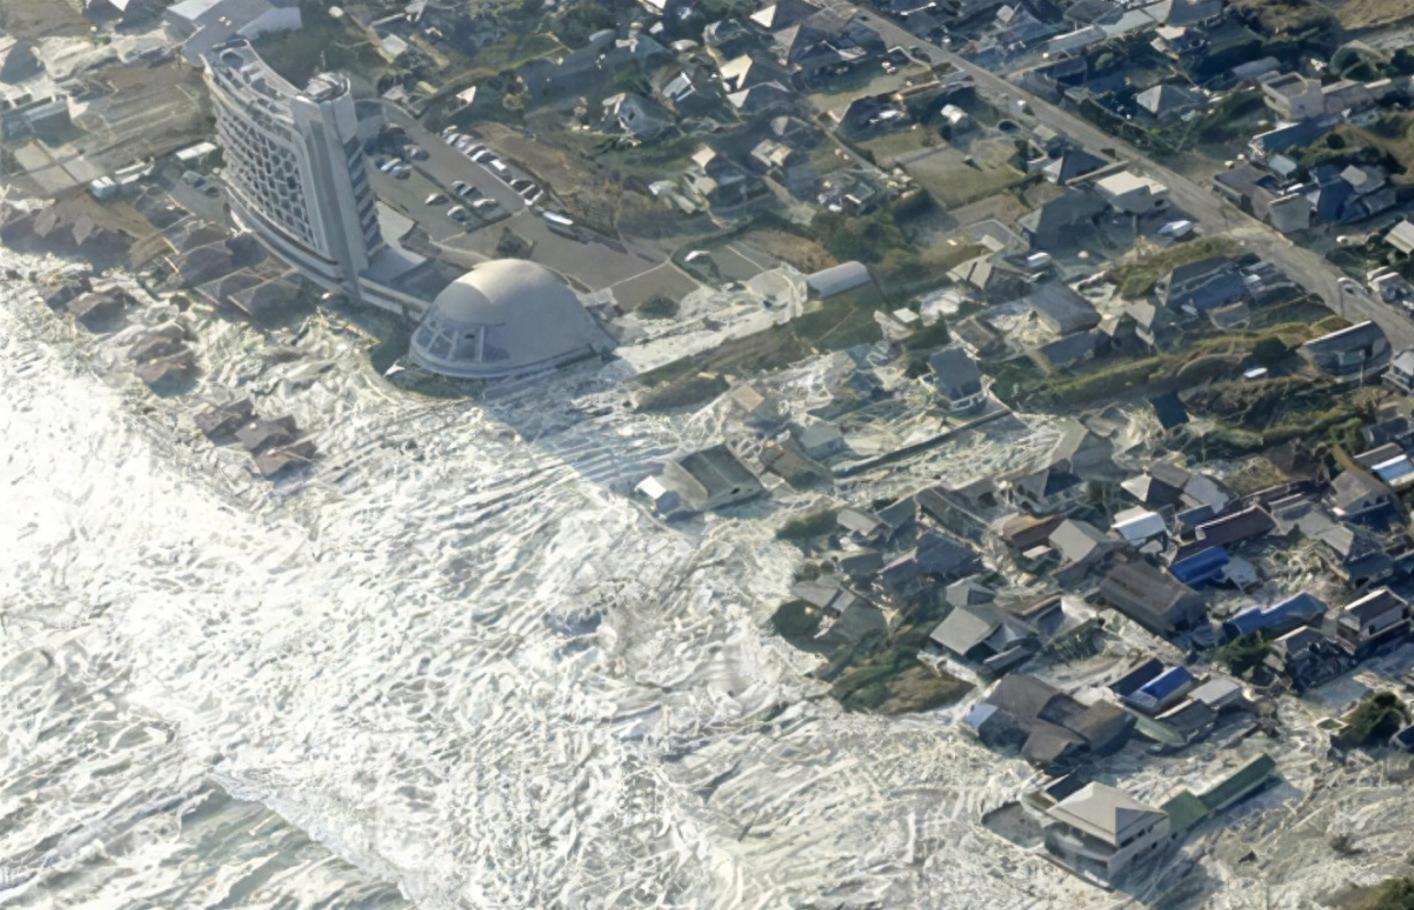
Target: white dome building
<point>504,318</point>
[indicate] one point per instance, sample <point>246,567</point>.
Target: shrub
<point>1242,653</point>
<point>659,306</point>
<point>1378,717</point>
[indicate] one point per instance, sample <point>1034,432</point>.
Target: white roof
<point>1104,812</point>
<point>1127,182</point>
<point>1138,524</point>
<point>505,317</point>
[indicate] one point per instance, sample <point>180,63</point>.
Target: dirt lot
<point>40,19</point>
<point>1358,14</point>
<point>802,252</point>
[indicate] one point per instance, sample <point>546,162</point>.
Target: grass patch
<point>1138,277</point>
<point>955,179</point>
<point>1243,653</point>
<point>659,306</point>
<point>681,392</point>
<point>321,43</point>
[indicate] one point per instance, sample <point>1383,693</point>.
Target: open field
<point>956,179</point>
<point>41,19</point>
<point>1359,14</point>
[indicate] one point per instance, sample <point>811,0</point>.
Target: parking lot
<point>593,261</point>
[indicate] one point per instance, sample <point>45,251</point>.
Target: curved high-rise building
<point>295,167</point>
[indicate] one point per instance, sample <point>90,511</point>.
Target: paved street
<point>1308,269</point>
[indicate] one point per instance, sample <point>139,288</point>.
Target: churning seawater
<point>453,666</point>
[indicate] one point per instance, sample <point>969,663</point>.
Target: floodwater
<point>453,665</point>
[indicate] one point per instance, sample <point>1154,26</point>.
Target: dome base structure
<point>504,318</point>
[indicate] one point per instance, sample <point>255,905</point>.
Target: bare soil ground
<point>1361,14</point>
<point>41,19</point>
<point>804,253</point>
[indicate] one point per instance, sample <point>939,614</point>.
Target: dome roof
<point>503,318</point>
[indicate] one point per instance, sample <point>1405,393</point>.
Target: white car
<point>482,205</point>
<point>484,156</point>
<point>435,199</point>
<point>500,166</point>
<point>457,213</point>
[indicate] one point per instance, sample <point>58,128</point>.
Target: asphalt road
<point>1309,269</point>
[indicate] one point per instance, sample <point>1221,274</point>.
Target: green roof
<point>1184,811</point>
<point>1241,783</point>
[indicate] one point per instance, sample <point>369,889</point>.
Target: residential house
<point>743,72</point>
<point>709,479</point>
<point>1350,194</point>
<point>1168,100</point>
<point>1079,547</point>
<point>1048,726</point>
<point>1401,371</point>
<point>1203,286</point>
<point>1293,97</point>
<point>1188,13</point>
<point>635,116</point>
<point>1277,619</point>
<point>1070,165</point>
<point>987,636</point>
<point>1132,194</point>
<point>1356,493</point>
<point>993,278</point>
<point>1401,236</point>
<point>1261,193</point>
<point>1065,353</point>
<point>1352,354</point>
<point>762,98</point>
<point>1102,831</point>
<point>1152,597</point>
<point>1154,325</point>
<point>957,379</point>
<point>1353,554</point>
<point>935,556</point>
<point>1060,309</point>
<point>1306,658</point>
<point>1372,623</point>
<point>1061,220</point>
<point>783,14</point>
<point>718,179</point>
<point>1050,490</point>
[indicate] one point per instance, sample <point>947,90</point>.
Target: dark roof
<point>1137,676</point>
<point>1169,410</point>
<point>1075,207</point>
<point>954,370</point>
<point>1151,597</point>
<point>1061,308</point>
<point>1246,524</point>
<point>1072,163</point>
<point>1071,349</point>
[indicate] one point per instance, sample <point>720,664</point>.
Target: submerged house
<point>1103,832</point>
<point>1152,597</point>
<point>1048,726</point>
<point>712,478</point>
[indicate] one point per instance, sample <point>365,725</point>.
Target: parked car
<point>499,166</point>
<point>435,199</point>
<point>460,187</point>
<point>415,153</point>
<point>458,213</point>
<point>483,205</point>
<point>483,156</point>
<point>402,171</point>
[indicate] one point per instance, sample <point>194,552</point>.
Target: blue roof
<point>1201,567</point>
<point>1162,688</point>
<point>1131,681</point>
<point>1277,618</point>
